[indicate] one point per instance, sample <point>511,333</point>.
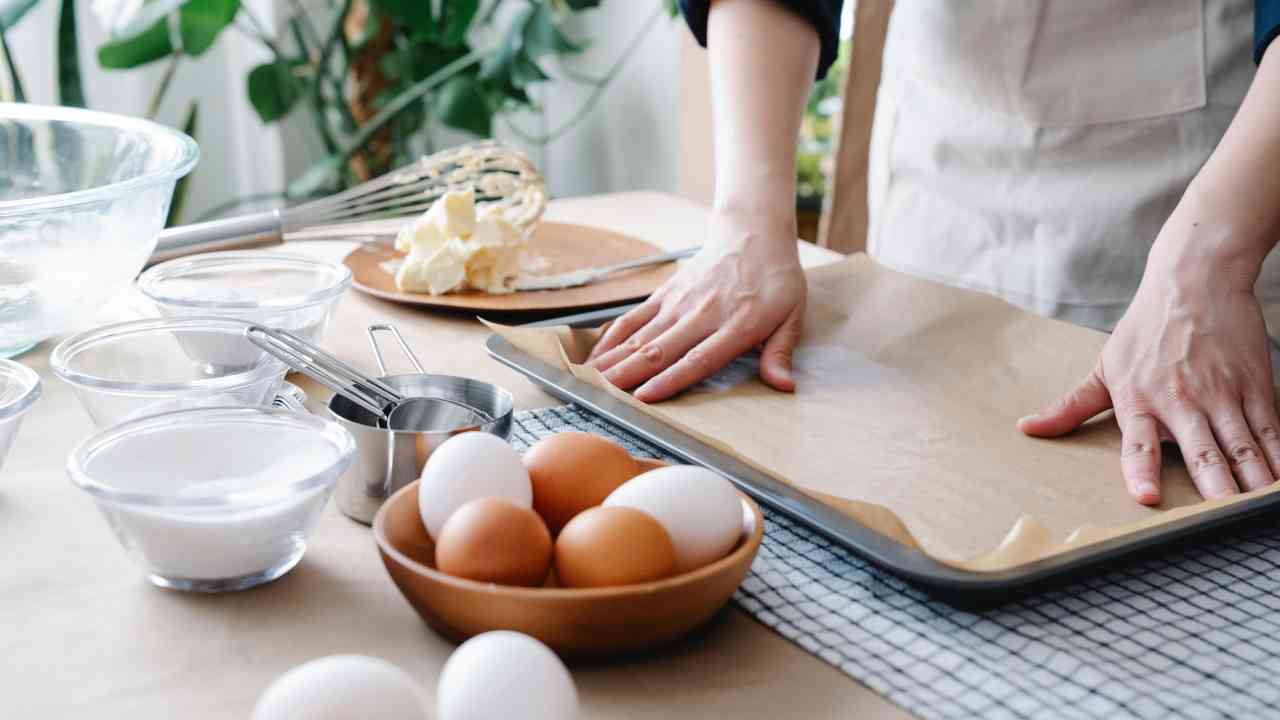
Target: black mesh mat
<point>1192,633</point>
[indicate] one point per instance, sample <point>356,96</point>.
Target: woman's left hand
<point>1188,362</point>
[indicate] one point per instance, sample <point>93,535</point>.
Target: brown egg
<point>495,540</point>
<point>572,471</point>
<point>608,546</point>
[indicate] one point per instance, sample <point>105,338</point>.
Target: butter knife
<point>576,278</point>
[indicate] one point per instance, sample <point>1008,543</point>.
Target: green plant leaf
<point>147,46</point>
<point>582,4</point>
<point>200,22</point>
<point>415,14</point>
<point>457,20</point>
<point>428,56</point>
<point>449,28</point>
<point>673,7</point>
<point>11,11</point>
<point>70,88</point>
<point>542,35</point>
<point>126,18</point>
<point>179,201</point>
<point>460,103</point>
<point>274,89</point>
<point>525,71</point>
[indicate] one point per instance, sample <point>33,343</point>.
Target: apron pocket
<point>1059,63</point>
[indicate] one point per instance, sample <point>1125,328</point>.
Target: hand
<point>745,288</point>
<point>1188,362</point>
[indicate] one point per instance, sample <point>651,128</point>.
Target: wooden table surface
<point>83,635</point>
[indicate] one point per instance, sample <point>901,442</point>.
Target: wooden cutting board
<point>564,247</point>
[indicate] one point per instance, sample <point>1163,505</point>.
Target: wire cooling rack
<point>1189,634</point>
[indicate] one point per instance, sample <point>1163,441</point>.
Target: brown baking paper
<point>904,418</point>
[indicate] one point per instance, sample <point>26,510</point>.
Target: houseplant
<point>376,78</point>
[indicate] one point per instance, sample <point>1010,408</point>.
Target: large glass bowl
<point>214,499</point>
<point>145,367</point>
<point>291,293</point>
<point>83,196</point>
<point>19,390</point>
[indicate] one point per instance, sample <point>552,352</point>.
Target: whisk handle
<point>257,229</point>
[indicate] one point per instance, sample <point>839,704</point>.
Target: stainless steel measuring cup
<point>387,460</point>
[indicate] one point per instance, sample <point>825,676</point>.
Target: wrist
<point>1202,243</point>
<point>757,191</point>
<point>766,229</point>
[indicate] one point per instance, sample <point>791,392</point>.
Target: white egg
<point>340,687</point>
<point>504,675</point>
<point>699,509</point>
<point>469,466</point>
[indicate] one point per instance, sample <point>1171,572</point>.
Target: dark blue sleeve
<point>1266,26</point>
<point>824,14</point>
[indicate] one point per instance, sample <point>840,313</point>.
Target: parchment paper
<point>904,417</point>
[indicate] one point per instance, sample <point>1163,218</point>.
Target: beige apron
<point>1033,148</point>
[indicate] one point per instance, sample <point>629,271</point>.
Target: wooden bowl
<point>587,622</point>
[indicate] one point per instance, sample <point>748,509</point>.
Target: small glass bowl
<point>145,367</point>
<point>214,499</point>
<point>281,291</point>
<point>19,390</point>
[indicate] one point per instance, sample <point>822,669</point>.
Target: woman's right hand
<point>744,289</point>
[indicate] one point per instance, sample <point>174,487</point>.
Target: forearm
<point>1229,218</point>
<point>763,60</point>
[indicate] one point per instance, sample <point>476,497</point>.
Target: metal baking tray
<point>964,588</point>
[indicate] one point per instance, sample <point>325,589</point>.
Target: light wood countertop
<point>83,635</point>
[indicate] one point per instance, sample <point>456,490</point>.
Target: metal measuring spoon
<point>394,411</point>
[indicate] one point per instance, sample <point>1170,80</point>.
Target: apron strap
<point>843,226</point>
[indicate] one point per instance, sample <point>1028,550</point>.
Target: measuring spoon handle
<point>329,371</point>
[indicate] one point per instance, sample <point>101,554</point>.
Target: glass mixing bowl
<point>145,367</point>
<point>281,291</point>
<point>19,390</point>
<point>83,196</point>
<point>214,499</point>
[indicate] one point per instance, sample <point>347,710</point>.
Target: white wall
<point>628,142</point>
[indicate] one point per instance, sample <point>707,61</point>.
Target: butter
<point>453,247</point>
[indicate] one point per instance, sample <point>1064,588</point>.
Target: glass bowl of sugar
<point>214,499</point>
<point>288,292</point>
<point>145,367</point>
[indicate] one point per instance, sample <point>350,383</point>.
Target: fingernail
<point>1028,418</point>
<point>1145,488</point>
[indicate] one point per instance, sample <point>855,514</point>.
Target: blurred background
<point>288,98</point>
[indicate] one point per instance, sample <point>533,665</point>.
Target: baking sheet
<point>904,423</point>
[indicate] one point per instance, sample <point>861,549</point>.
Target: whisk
<point>499,174</point>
